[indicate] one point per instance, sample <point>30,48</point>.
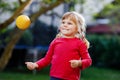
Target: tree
<point>111,12</point>
<point>48,5</point>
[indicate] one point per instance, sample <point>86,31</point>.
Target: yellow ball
<point>23,22</point>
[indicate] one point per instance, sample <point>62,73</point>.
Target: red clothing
<point>60,52</point>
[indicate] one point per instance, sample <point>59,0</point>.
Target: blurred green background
<point>17,46</point>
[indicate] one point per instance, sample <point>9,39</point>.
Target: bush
<point>105,50</point>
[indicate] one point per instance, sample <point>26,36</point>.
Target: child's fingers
<point>74,63</point>
<point>26,62</point>
<point>71,60</point>
<point>30,65</point>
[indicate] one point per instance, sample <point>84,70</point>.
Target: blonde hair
<point>80,23</point>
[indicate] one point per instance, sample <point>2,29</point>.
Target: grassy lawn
<point>100,74</point>
<point>91,73</point>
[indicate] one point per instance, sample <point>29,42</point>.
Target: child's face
<point>68,28</point>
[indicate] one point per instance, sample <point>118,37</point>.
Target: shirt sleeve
<point>85,56</point>
<point>43,62</point>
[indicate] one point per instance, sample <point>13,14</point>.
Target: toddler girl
<point>68,52</point>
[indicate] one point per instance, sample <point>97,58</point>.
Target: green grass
<point>91,73</point>
<point>23,76</point>
<point>100,74</point>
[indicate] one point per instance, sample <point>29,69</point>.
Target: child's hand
<point>75,63</point>
<point>31,65</point>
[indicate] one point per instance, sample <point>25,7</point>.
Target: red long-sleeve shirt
<point>60,52</point>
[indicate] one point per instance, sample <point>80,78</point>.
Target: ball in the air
<point>23,22</point>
